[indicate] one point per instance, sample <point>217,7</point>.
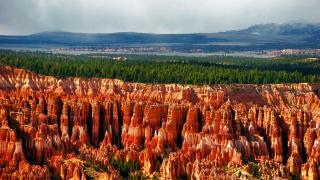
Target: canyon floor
<point>91,128</point>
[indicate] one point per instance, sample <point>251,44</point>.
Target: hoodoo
<point>74,127</point>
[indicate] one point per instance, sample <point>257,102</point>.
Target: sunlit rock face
<point>55,127</point>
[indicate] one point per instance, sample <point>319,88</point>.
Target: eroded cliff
<point>74,127</point>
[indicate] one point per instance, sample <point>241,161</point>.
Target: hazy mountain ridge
<point>261,36</point>
<point>281,29</point>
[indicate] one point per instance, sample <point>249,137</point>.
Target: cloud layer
<point>155,16</point>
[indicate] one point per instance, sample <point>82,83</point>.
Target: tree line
<point>169,69</point>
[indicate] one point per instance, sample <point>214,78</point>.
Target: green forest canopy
<point>170,69</point>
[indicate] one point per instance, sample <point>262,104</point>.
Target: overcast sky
<point>155,16</point>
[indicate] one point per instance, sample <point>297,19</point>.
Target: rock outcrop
<point>73,127</point>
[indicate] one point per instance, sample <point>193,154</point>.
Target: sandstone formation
<point>79,128</point>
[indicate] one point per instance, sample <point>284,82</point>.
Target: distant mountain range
<point>257,37</point>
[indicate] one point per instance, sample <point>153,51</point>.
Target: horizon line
<point>141,32</point>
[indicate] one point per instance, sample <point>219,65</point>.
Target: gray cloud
<point>156,16</point>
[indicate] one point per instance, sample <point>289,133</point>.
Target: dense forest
<point>170,69</point>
